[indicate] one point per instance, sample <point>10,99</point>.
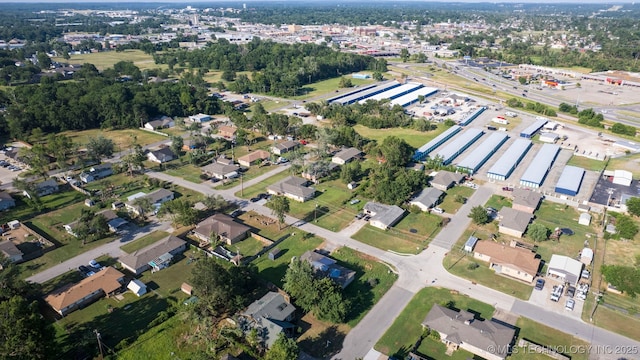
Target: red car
<point>303,142</point>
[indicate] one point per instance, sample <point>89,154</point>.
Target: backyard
<point>261,187</point>
<point>449,204</point>
<point>327,209</point>
<point>123,139</point>
<point>144,241</point>
<point>409,236</point>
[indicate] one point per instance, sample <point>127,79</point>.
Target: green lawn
<point>329,85</point>
<point>52,202</point>
<point>407,328</point>
<point>414,138</point>
<point>328,208</point>
<point>107,59</point>
<point>123,139</point>
<point>629,163</point>
<point>498,202</point>
<point>252,173</point>
<point>188,172</point>
<point>546,336</point>
<point>400,238</point>
<point>248,247</point>
<point>449,204</point>
<point>144,241</point>
<point>586,163</point>
<point>261,187</point>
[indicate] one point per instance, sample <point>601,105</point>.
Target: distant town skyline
<point>249,2</point>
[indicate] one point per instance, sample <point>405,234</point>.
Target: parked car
<point>507,188</point>
<point>255,199</point>
<point>585,274</point>
<point>236,213</point>
<point>491,209</point>
<point>539,284</point>
<point>437,210</point>
<point>359,216</point>
<point>570,305</point>
<point>354,201</point>
<point>95,264</point>
<point>84,270</point>
<point>571,291</point>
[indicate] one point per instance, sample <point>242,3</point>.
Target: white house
<point>200,118</point>
<point>164,122</point>
<point>161,155</point>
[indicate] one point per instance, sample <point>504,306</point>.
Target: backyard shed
<point>470,244</point>
<point>585,219</point>
<point>274,253</point>
<point>137,287</point>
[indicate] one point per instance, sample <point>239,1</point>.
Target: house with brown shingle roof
<point>71,297</point>
<point>516,262</point>
<point>253,158</point>
<point>223,226</point>
<point>228,132</point>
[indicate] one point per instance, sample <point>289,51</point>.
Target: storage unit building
<point>394,93</point>
<point>412,97</point>
<point>427,148</point>
<point>570,180</point>
<point>503,168</point>
<point>537,171</point>
<point>367,93</point>
<point>533,128</point>
<point>472,162</point>
<point>459,145</point>
<point>358,90</point>
<point>474,115</point>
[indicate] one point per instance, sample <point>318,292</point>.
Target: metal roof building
<point>537,171</point>
<point>474,115</point>
<point>350,99</point>
<point>427,148</point>
<point>570,180</point>
<point>458,145</point>
<point>412,97</point>
<point>503,168</point>
<point>360,89</point>
<point>394,93</point>
<point>472,162</point>
<point>533,128</point>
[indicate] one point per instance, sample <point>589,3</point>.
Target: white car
<point>570,304</point>
<point>437,210</point>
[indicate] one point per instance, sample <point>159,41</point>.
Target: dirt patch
<point>321,339</point>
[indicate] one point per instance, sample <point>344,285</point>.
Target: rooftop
<point>515,219</point>
<point>452,149</point>
<point>384,214</point>
<point>271,306</point>
<point>483,151</point>
<point>107,280</point>
<point>541,164</point>
<point>516,257</point>
<point>526,198</point>
<point>292,185</point>
<point>221,224</point>
<point>510,158</point>
<point>445,178</point>
<point>570,179</point>
<point>428,196</point>
<point>141,257</point>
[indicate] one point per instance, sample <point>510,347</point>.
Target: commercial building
<point>413,96</point>
<point>570,180</point>
<point>508,162</point>
<point>549,137</point>
<point>474,115</point>
<point>533,128</point>
<point>474,161</point>
<point>458,145</point>
<point>358,90</point>
<point>361,95</point>
<point>394,93</point>
<point>537,171</point>
<point>427,148</point>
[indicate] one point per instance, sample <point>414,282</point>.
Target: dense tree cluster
<point>619,128</point>
<point>537,107</point>
<point>624,278</point>
<point>590,118</point>
<point>372,114</point>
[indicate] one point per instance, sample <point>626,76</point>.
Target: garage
<point>564,269</point>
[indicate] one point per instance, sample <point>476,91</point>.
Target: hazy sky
<point>248,2</point>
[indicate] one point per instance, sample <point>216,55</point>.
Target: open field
<point>261,187</point>
<point>107,59</point>
<point>144,241</point>
<point>188,172</point>
<point>123,139</point>
<point>449,204</point>
<point>328,208</point>
<point>550,337</point>
<point>328,86</point>
<point>586,163</point>
<point>629,163</point>
<point>616,321</point>
<point>414,138</point>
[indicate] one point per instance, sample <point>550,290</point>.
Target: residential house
<point>72,297</point>
<point>513,222</point>
<point>227,132</point>
<point>284,147</point>
<point>565,269</point>
<point>445,180</point>
<point>6,201</point>
<point>161,155</point>
<point>156,198</point>
<point>318,170</point>
<point>144,259</point>
<point>114,222</point>
<point>270,315</point>
<point>223,160</point>
<point>488,339</point>
<point>428,198</point>
<point>46,187</point>
<point>199,118</point>
<point>220,171</point>
<point>223,226</point>
<point>294,188</point>
<point>383,216</point>
<point>346,155</point>
<point>10,251</point>
<point>96,173</point>
<point>164,122</point>
<point>516,262</point>
<point>253,158</point>
<point>526,200</point>
<point>327,267</point>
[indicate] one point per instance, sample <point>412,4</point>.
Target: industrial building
<point>412,97</point>
<point>472,162</point>
<point>358,90</point>
<point>359,95</point>
<point>537,171</point>
<point>394,93</point>
<point>427,148</point>
<point>570,180</point>
<point>503,168</point>
<point>458,145</point>
<point>474,115</point>
<point>533,128</point>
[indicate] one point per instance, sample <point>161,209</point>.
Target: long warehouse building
<point>474,115</point>
<point>508,162</point>
<point>537,171</point>
<point>347,100</point>
<point>533,128</point>
<point>360,89</point>
<point>570,180</point>
<point>459,145</point>
<point>474,161</point>
<point>394,93</point>
<point>413,96</point>
<point>427,148</point>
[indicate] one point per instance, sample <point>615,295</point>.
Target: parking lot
<point>7,175</point>
<point>543,298</point>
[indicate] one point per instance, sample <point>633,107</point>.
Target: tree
<point>633,206</point>
<point>395,151</point>
<point>299,283</point>
<point>177,142</point>
<point>26,334</point>
<point>61,147</point>
<point>626,227</point>
<point>377,76</point>
<point>135,159</point>
<point>404,54</point>
<point>100,147</point>
<point>345,82</point>
<point>479,215</point>
<point>538,232</point>
<point>350,172</point>
<point>331,305</point>
<point>144,206</point>
<point>180,211</point>
<point>283,348</point>
<point>624,278</point>
<point>279,206</point>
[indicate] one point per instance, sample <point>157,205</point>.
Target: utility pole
<point>315,213</point>
<point>99,343</point>
<point>241,186</point>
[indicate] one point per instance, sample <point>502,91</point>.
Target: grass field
<point>498,202</point>
<point>252,173</point>
<point>586,163</point>
<point>629,163</point>
<point>248,247</point>
<point>107,59</point>
<point>616,321</point>
<point>188,172</point>
<point>260,187</point>
<point>327,207</point>
<point>123,139</point>
<point>414,138</point>
<point>144,241</point>
<point>407,328</point>
<point>449,204</point>
<point>546,336</point>
<point>328,86</point>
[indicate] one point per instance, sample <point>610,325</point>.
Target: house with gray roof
<point>221,171</point>
<point>6,201</point>
<point>488,339</point>
<point>346,155</point>
<point>383,216</point>
<point>270,315</point>
<point>223,226</point>
<point>10,251</point>
<point>427,198</point>
<point>444,180</point>
<point>96,172</point>
<point>46,187</point>
<point>327,267</point>
<point>161,155</point>
<point>156,198</point>
<point>513,222</point>
<point>526,200</point>
<point>284,147</point>
<point>141,260</point>
<point>294,188</point>
<point>163,122</point>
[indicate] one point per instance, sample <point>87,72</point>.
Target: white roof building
<point>565,268</point>
<point>137,287</point>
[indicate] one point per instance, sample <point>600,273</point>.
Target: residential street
<point>414,273</point>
